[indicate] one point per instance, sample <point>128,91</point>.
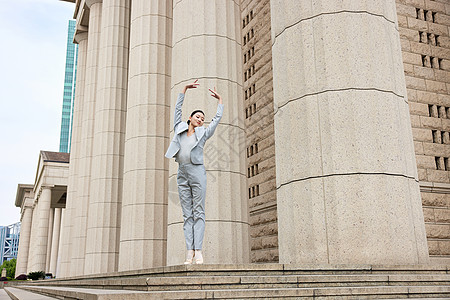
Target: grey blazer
<point>201,133</point>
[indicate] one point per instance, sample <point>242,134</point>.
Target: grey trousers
<point>191,181</point>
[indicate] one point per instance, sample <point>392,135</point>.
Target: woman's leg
<point>198,186</point>
<point>185,194</point>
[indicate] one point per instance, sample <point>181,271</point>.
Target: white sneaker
<point>198,257</point>
<point>189,257</point>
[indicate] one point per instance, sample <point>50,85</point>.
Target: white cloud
<point>32,55</point>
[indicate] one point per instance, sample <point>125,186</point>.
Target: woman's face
<point>197,119</point>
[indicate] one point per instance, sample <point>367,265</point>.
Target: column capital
<point>28,203</point>
<point>46,186</point>
<point>43,187</point>
<point>80,36</point>
<point>89,3</point>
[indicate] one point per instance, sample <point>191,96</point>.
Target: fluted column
<point>347,185</point>
<point>49,239</point>
<point>206,45</point>
<point>67,232</point>
<point>80,212</point>
<point>144,203</point>
<point>33,236</point>
<point>55,241</point>
<point>38,258</point>
<point>25,233</point>
<point>102,248</point>
<point>60,247</point>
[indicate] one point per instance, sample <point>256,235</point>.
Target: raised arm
<point>179,104</point>
<point>215,121</point>
<point>177,117</point>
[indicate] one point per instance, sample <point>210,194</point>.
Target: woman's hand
<point>216,95</point>
<point>191,86</point>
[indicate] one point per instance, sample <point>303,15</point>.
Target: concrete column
<point>347,184</point>
<point>55,241</point>
<point>33,236</point>
<point>67,232</point>
<point>207,46</point>
<point>80,212</point>
<point>102,248</point>
<point>49,239</point>
<point>60,246</point>
<point>38,258</point>
<point>143,233</point>
<point>25,233</point>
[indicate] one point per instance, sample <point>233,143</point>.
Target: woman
<point>187,148</point>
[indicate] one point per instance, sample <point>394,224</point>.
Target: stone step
<point>4,295</point>
<point>20,294</point>
<point>263,269</point>
<point>254,281</point>
<point>290,281</point>
<point>379,292</point>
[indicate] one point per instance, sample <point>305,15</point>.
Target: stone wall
<point>258,105</point>
<point>424,33</point>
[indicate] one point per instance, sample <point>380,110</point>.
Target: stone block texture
<point>259,142</point>
<point>426,53</point>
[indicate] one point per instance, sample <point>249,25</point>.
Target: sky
<point>33,35</point>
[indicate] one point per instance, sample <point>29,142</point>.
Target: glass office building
<point>69,90</point>
<point>9,241</point>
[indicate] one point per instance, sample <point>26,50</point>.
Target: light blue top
<point>201,133</point>
<point>186,144</point>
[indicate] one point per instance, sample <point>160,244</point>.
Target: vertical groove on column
<point>75,149</point>
<point>206,39</point>
<point>79,216</point>
<point>102,248</point>
<point>144,204</point>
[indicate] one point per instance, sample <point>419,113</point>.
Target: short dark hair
<point>194,112</point>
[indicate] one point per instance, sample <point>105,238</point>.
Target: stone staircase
<point>253,281</point>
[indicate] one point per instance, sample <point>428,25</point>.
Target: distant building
<point>69,90</point>
<point>9,241</point>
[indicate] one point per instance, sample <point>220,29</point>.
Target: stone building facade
<point>260,142</point>
<point>316,160</point>
<point>424,28</point>
<point>41,207</point>
<point>424,35</point>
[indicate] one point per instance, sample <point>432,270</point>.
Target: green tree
<point>10,266</point>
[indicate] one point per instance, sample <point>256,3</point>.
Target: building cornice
<point>22,190</point>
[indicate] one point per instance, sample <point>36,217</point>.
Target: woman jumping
<point>187,148</point>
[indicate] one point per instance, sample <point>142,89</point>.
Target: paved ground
<point>24,295</point>
<point>4,295</point>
